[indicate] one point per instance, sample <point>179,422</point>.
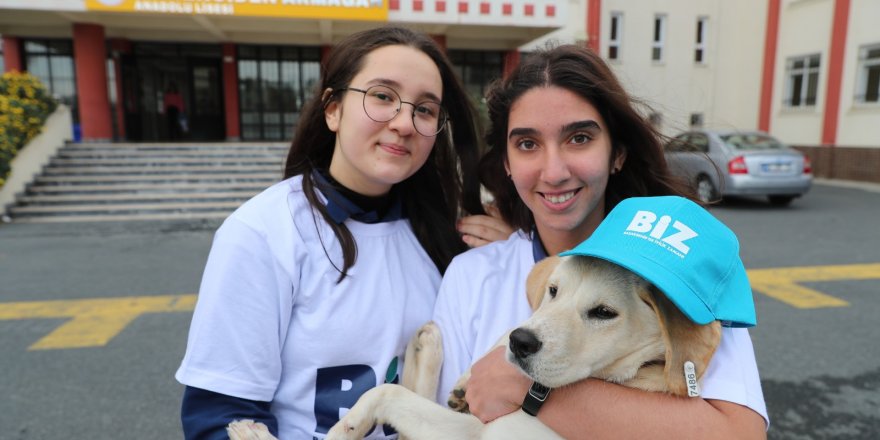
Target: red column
<point>835,71</point>
<point>12,59</point>
<point>440,40</point>
<point>230,92</point>
<point>771,36</point>
<point>325,52</point>
<point>511,60</point>
<point>90,57</point>
<point>120,47</point>
<point>594,21</point>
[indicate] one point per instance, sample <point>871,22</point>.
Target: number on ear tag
<point>690,378</point>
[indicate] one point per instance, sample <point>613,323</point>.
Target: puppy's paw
<point>457,396</point>
<point>456,400</point>
<point>248,430</point>
<point>424,358</point>
<point>428,347</point>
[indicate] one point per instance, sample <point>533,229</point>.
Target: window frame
<point>700,40</point>
<point>803,77</point>
<point>56,52</point>
<point>658,38</point>
<point>264,73</point>
<point>867,66</point>
<point>615,30</point>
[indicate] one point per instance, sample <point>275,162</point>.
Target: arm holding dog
<point>596,409</point>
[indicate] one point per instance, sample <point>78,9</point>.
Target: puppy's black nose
<point>524,343</point>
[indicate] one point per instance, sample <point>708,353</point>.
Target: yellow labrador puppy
<point>595,319</point>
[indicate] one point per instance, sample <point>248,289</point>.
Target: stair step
<point>124,208</point>
<point>123,217</point>
<point>153,187</point>
<point>221,177</point>
<point>157,181</point>
<point>167,169</point>
<point>138,155</point>
<point>165,161</point>
<point>131,198</point>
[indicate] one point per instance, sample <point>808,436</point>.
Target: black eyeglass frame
<point>442,119</point>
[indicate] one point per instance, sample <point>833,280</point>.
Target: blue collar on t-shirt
<point>341,208</point>
<point>537,247</point>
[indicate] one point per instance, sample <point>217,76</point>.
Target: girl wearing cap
<point>321,279</point>
<point>566,145</point>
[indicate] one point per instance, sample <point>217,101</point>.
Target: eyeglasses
<point>382,104</point>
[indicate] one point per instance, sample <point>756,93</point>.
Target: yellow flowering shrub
<point>24,106</point>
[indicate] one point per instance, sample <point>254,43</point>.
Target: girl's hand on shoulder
<point>479,230</point>
<point>496,387</point>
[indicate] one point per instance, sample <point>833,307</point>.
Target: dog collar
<point>535,398</point>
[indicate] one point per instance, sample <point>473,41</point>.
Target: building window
<point>274,82</point>
<point>868,88</point>
<point>52,62</point>
<point>614,38</point>
<point>477,69</point>
<point>700,46</point>
<point>803,81</point>
<point>659,37</point>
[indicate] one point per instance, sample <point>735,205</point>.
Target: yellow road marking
<point>783,283</point>
<point>94,321</point>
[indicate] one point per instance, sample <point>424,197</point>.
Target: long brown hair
<point>583,72</point>
<point>444,187</point>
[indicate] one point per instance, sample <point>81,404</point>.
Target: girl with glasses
<point>313,287</point>
<point>566,144</point>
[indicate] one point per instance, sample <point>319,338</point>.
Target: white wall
<point>858,123</point>
<point>804,29</point>
<point>725,88</point>
<point>574,31</point>
<point>36,154</point>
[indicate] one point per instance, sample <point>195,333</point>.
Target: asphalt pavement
<point>94,317</point>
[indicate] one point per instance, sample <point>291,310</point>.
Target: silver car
<point>739,163</point>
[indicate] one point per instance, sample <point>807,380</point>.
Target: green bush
<point>24,106</point>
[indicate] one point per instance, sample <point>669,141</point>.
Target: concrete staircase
<point>117,182</point>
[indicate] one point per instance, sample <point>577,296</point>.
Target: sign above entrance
<point>368,10</point>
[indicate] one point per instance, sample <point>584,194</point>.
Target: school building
<point>807,71</point>
<point>242,68</point>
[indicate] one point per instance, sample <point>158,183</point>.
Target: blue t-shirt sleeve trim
<point>205,414</point>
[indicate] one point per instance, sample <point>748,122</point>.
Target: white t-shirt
<point>272,324</point>
<point>483,296</point>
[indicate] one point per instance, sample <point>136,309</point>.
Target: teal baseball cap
<point>683,250</point>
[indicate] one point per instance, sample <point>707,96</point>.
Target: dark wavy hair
<point>442,189</point>
<point>583,72</point>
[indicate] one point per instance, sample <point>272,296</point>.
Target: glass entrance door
<point>173,93</point>
<point>206,119</point>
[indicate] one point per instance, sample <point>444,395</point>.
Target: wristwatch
<point>535,398</point>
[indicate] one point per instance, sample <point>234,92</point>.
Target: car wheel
<point>705,189</point>
<point>780,200</point>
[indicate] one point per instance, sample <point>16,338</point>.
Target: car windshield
<point>752,141</point>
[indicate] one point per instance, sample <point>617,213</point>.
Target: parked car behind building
<point>739,163</point>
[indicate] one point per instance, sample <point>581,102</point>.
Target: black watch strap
<point>535,398</point>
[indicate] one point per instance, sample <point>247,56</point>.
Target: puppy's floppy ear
<point>685,341</point>
<point>536,283</point>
